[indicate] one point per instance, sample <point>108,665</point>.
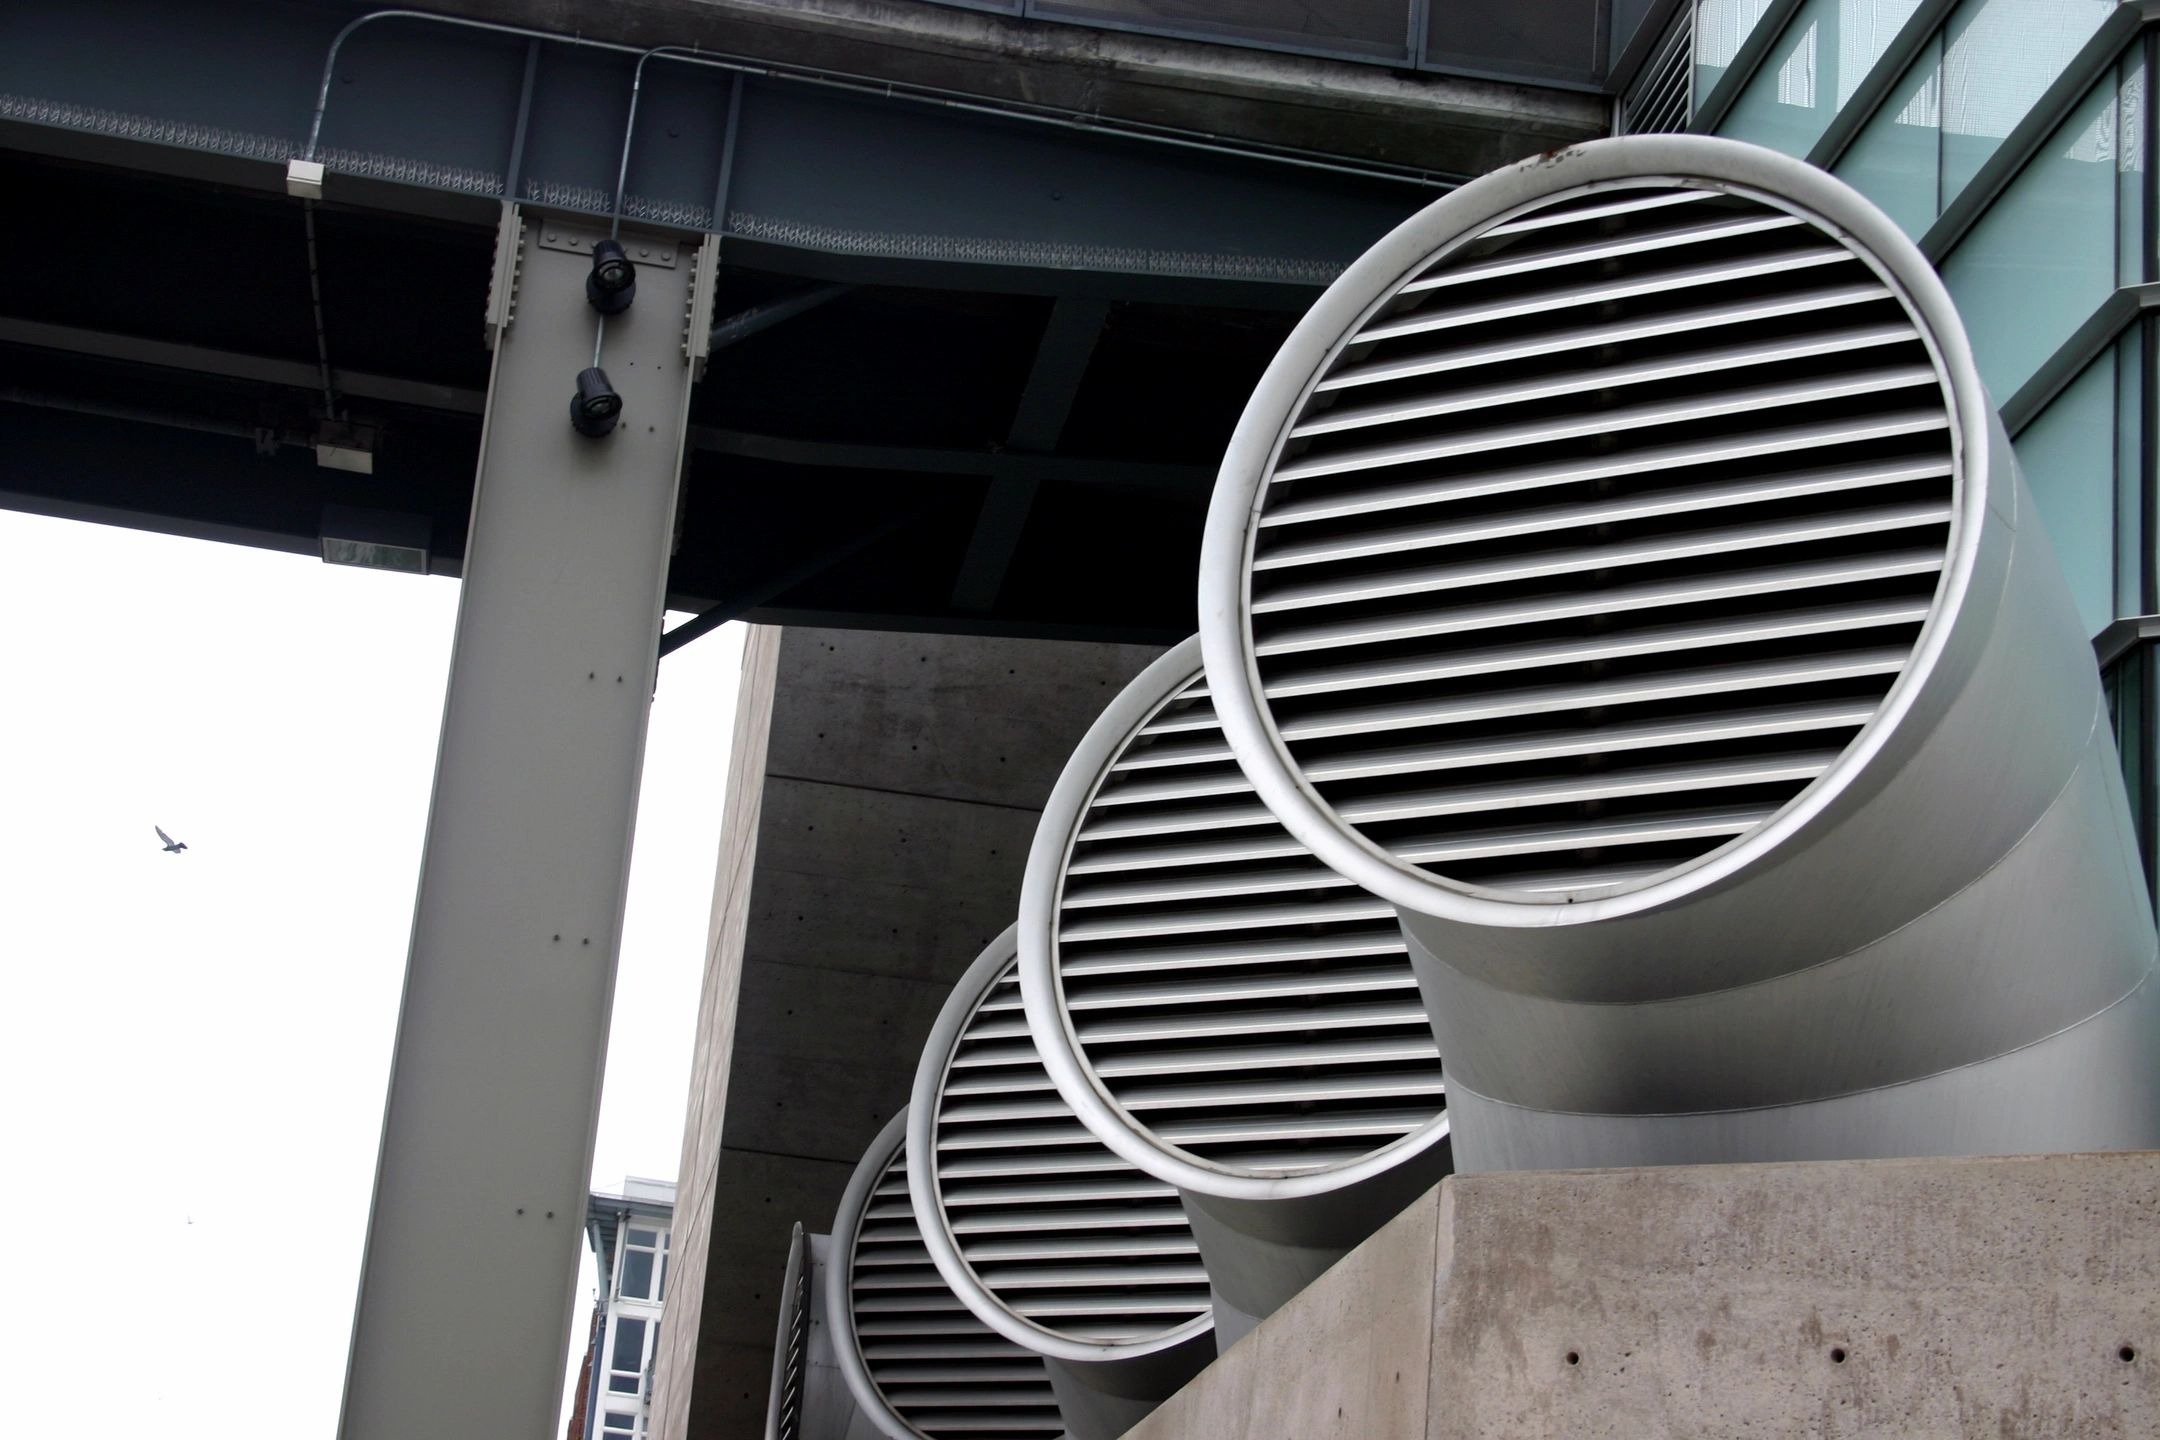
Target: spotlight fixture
<point>596,407</point>
<point>612,285</point>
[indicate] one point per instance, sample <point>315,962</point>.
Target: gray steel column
<point>466,1287</point>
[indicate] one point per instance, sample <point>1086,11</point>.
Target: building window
<point>619,1426</point>
<point>644,1264</point>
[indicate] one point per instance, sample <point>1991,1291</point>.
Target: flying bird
<point>172,846</point>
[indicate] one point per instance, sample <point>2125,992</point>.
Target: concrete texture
<point>2014,1297</point>
<point>881,800</point>
<point>1438,122</point>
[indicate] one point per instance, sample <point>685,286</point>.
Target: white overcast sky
<point>195,1047</point>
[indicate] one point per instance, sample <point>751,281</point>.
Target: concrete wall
<point>882,798</point>
<point>2004,1297</point>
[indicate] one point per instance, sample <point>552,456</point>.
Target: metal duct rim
<point>1372,282</point>
<point>922,1116</point>
<point>1042,990</point>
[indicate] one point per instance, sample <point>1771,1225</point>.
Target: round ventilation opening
<point>919,1361</point>
<point>1241,1018</point>
<point>1050,1236</point>
<point>1583,528</point>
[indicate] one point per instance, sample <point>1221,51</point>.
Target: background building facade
<point>629,1236</point>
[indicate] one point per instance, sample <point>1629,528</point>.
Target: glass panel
<point>2000,55</point>
<point>623,1384</point>
<point>629,1352</point>
<point>1537,39</point>
<point>2068,455</point>
<point>1812,70</point>
<point>2043,257</point>
<point>1721,28</point>
<point>1894,160</point>
<point>1378,28</point>
<point>2132,254</point>
<point>646,1238</point>
<point>637,1274</point>
<point>1958,100</point>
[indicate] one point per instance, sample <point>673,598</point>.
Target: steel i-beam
<point>467,1282</point>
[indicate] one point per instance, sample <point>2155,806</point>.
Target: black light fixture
<point>596,407</point>
<point>612,285</point>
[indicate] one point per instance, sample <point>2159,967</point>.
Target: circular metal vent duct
<point>1045,1234</point>
<point>920,1365</point>
<point>1623,573</point>
<point>1218,1007</point>
<point>809,1398</point>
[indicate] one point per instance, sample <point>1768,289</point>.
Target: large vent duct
<point>1218,1007</point>
<point>920,1366</point>
<point>809,1399</point>
<point>1622,572</point>
<point>1047,1236</point>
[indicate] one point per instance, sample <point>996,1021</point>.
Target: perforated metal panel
<point>932,1365</point>
<point>1245,1006</point>
<point>1598,539</point>
<point>1064,1243</point>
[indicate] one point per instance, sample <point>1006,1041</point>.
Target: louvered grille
<point>941,1370</point>
<point>1593,545</point>
<point>1054,1227</point>
<point>1240,1001</point>
<point>787,1400</point>
<point>1660,100</point>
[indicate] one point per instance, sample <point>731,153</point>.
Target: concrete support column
<point>467,1285</point>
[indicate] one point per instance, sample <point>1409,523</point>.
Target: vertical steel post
<point>467,1282</point>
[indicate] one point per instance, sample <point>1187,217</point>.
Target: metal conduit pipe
<point>1045,1235</point>
<point>1219,1008</point>
<point>895,90</point>
<point>1622,572</point>
<point>809,1398</point>
<point>918,1364</point>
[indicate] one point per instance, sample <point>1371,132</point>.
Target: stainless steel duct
<point>1623,573</point>
<point>1218,1007</point>
<point>809,1398</point>
<point>1045,1235</point>
<point>921,1367</point>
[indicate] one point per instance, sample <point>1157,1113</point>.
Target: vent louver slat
<point>1690,320</point>
<point>1545,299</point>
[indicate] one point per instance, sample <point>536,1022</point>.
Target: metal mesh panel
<point>1054,1227</point>
<point>943,1372</point>
<point>1600,538</point>
<point>1364,28</point>
<point>1242,1002</point>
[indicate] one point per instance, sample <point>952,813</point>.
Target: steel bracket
<point>698,314</point>
<point>503,279</point>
